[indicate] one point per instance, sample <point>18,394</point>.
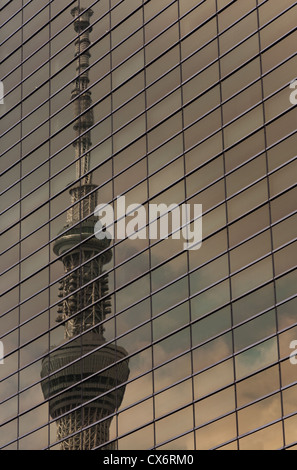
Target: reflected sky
<point>163,115</point>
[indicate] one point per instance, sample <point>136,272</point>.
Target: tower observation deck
<point>82,377</point>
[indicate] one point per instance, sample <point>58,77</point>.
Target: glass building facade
<point>192,102</point>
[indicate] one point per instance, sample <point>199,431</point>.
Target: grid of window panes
<point>191,104</point>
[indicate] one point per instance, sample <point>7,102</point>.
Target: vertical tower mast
<point>85,118</point>
<point>81,400</point>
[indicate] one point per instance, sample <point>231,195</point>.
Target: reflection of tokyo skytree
<point>82,377</point>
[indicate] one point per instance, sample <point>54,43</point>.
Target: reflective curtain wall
<point>120,328</point>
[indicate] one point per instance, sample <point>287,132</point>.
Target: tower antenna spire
<point>83,101</point>
<point>83,194</point>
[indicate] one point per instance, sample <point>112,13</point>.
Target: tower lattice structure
<point>82,377</point>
